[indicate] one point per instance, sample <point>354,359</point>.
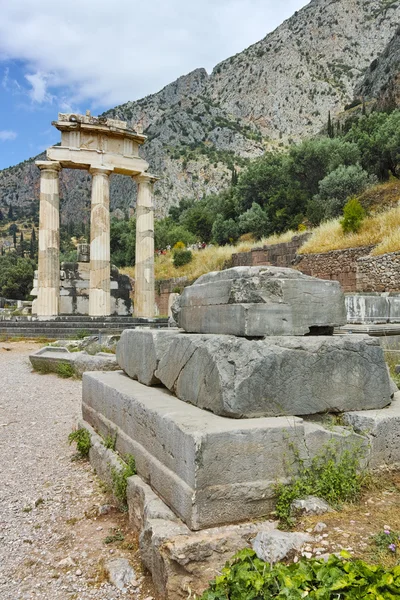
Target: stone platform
<point>182,561</point>
<point>68,327</point>
<point>208,469</point>
<point>276,376</point>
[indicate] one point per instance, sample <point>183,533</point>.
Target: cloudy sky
<point>57,56</point>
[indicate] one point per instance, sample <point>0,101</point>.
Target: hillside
<point>202,126</point>
<point>382,80</point>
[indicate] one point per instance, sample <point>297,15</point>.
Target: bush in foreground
<point>249,578</point>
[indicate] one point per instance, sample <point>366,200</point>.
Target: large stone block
<point>260,301</point>
<point>383,430</point>
<point>235,377</point>
<point>140,350</point>
<point>208,469</point>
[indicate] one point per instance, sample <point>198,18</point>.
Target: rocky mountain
<point>381,83</point>
<point>276,92</point>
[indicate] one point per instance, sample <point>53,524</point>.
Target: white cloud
<point>7,135</point>
<point>103,52</point>
<point>38,91</point>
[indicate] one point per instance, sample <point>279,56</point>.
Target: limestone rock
<point>140,350</point>
<point>235,377</point>
<point>311,505</point>
<point>260,301</point>
<point>120,573</point>
<point>273,546</point>
<point>103,361</point>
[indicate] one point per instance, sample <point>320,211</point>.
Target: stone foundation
<point>75,289</point>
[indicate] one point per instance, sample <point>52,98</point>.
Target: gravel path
<point>52,539</point>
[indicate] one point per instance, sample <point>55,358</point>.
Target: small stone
<point>120,573</point>
<point>311,505</point>
<point>307,554</point>
<point>320,527</point>
<point>272,546</point>
<point>78,572</point>
<point>67,562</point>
<point>105,509</point>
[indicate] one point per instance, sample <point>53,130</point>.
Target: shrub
<point>83,441</point>
<point>120,476</point>
<point>353,215</point>
<point>179,246</point>
<point>248,577</point>
<point>345,181</point>
<point>333,477</point>
<point>181,257</point>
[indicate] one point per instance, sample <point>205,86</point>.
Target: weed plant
<point>120,476</point>
<point>83,441</point>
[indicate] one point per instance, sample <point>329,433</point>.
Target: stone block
<point>182,561</point>
<point>140,350</point>
<point>260,301</point>
<point>235,377</point>
<point>383,430</point>
<point>362,308</point>
<point>208,469</point>
<point>394,309</point>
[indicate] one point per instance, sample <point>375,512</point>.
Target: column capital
<point>100,171</point>
<point>48,165</point>
<point>145,178</point>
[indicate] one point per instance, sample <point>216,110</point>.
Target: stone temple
<point>217,411</point>
<point>102,147</point>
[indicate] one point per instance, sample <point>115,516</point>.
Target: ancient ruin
<point>102,147</point>
<point>215,413</point>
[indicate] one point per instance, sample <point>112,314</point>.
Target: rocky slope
<point>382,79</point>
<point>277,91</point>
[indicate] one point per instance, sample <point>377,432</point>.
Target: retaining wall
<point>379,273</point>
<point>278,255</point>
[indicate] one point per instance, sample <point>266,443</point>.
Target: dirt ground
<point>52,536</point>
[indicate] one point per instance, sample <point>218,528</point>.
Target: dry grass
<point>381,230</point>
<point>212,258</point>
<point>382,196</point>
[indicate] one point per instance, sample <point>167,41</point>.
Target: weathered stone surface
<point>102,361</point>
<point>383,430</point>
<point>139,352</point>
<point>311,505</point>
<point>260,301</point>
<point>181,560</point>
<point>120,573</point>
<point>210,470</point>
<point>272,546</point>
<point>236,377</point>
<point>49,357</point>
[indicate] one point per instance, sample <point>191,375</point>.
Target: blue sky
<point>57,57</point>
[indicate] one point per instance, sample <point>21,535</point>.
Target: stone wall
<point>164,289</point>
<point>339,265</point>
<point>278,255</point>
<point>379,273</point>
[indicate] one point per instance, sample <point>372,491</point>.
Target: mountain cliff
<point>275,92</point>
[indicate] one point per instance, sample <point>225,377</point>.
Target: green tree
<point>224,232</point>
<point>344,182</point>
<point>254,221</point>
<point>16,276</point>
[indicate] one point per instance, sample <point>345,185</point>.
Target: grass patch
<point>65,370</point>
<point>117,536</point>
<point>381,230</point>
<point>83,442</point>
<point>110,441</point>
<point>332,476</point>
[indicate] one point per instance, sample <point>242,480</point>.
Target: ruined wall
<point>278,255</point>
<point>340,265</point>
<point>166,287</point>
<point>379,273</point>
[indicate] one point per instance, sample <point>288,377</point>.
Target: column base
<point>99,303</point>
<point>47,304</point>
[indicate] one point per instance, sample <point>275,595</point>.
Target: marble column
<point>47,304</point>
<point>99,292</point>
<point>144,267</point>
